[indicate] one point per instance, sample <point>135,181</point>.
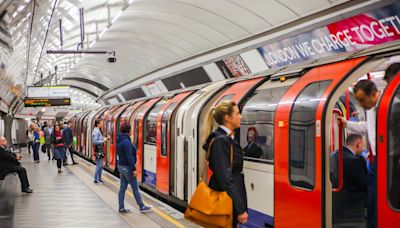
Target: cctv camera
<point>111,57</point>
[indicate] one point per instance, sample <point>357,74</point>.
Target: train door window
<point>393,152</point>
<point>302,135</point>
<point>257,124</point>
<point>136,126</point>
<point>164,128</point>
<point>150,131</point>
<point>225,98</point>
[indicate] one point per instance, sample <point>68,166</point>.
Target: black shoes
<point>27,190</point>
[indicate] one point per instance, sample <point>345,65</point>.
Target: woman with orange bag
<point>226,157</point>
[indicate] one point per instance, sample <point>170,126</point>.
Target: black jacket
<point>354,192</point>
<point>8,160</point>
<point>224,178</point>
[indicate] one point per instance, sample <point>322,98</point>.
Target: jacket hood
<point>121,137</point>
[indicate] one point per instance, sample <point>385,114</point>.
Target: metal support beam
<point>76,52</point>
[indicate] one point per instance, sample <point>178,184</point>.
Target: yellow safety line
<point>156,210</point>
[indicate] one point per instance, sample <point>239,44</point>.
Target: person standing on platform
<point>9,163</point>
<point>98,142</point>
<point>36,144</point>
<point>47,132</point>
<point>126,154</point>
<point>58,146</point>
<point>68,137</point>
<point>368,96</point>
<point>225,157</point>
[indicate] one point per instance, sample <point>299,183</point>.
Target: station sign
<point>45,102</point>
<point>48,91</point>
<point>351,34</point>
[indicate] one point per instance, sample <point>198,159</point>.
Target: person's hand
<point>343,121</point>
<point>58,138</point>
<point>18,156</point>
<point>134,173</point>
<point>243,218</point>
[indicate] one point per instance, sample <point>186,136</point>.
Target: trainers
<point>96,182</point>
<point>60,171</point>
<point>145,209</point>
<point>101,181</point>
<point>27,190</point>
<point>123,210</point>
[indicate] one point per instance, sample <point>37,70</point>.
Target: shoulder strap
<point>209,154</point>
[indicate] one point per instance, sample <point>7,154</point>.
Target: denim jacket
<point>97,136</point>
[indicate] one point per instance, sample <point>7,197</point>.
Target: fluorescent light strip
<point>116,16</point>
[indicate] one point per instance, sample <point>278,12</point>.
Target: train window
<point>150,131</point>
<point>136,126</point>
<point>225,98</point>
<point>393,152</point>
<point>257,124</point>
<point>302,135</point>
<point>165,128</point>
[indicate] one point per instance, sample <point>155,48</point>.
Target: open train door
<point>388,156</point>
<point>301,177</point>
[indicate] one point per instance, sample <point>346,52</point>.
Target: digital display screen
<point>38,102</point>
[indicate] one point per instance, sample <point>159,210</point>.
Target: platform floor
<point>71,199</point>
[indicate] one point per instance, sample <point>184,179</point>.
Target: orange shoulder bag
<point>210,208</point>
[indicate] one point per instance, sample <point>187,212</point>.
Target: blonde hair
<point>217,114</point>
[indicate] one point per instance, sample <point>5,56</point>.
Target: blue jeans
<point>99,169</point>
<point>371,181</point>
<point>126,177</point>
<point>35,148</point>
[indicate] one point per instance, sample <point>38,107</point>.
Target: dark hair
<point>392,71</point>
<point>352,138</point>
<point>367,86</point>
<point>97,122</point>
<point>125,128</point>
<point>65,122</point>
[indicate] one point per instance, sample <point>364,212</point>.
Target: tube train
<point>288,131</point>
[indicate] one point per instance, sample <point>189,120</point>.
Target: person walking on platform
<point>225,157</point>
<point>47,132</point>
<point>59,146</point>
<point>98,142</point>
<point>68,137</point>
<point>29,136</point>
<point>36,144</point>
<point>9,163</point>
<point>368,96</point>
<point>126,154</point>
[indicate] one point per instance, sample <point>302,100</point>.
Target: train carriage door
<point>299,159</point>
<point>165,157</point>
<point>235,92</point>
<point>388,156</point>
<point>140,127</point>
<point>111,157</point>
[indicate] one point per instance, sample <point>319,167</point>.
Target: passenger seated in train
<point>252,149</point>
<point>350,201</point>
<point>9,163</point>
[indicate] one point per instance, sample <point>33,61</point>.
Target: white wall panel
<point>254,61</point>
<point>213,72</point>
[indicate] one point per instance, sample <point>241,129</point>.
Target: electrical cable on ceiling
<point>45,38</point>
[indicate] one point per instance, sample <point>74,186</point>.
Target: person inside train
<point>368,96</point>
<point>9,163</point>
<point>68,137</point>
<point>391,72</point>
<point>252,149</point>
<point>58,146</point>
<point>126,154</point>
<point>98,142</point>
<point>227,171</point>
<point>47,132</point>
<point>350,201</point>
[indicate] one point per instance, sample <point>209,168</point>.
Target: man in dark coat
<point>9,163</point>
<point>350,201</point>
<point>68,139</point>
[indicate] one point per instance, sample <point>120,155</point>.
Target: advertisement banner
<point>351,34</point>
<point>48,91</point>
